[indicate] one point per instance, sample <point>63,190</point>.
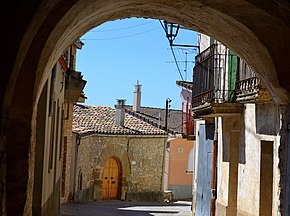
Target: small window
<point>190,162</point>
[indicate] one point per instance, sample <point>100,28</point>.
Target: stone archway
<point>49,26</point>
<point>121,156</point>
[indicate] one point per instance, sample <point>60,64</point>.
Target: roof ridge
<point>154,108</point>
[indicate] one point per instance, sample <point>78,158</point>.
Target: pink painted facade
<point>180,167</point>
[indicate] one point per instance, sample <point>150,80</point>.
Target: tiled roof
<point>185,84</point>
<point>101,120</point>
<point>157,116</point>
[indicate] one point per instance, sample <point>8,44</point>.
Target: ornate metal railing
<point>247,86</point>
<point>217,96</point>
<point>202,98</point>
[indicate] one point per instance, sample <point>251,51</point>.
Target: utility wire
<point>162,26</point>
<point>108,30</point>
<point>176,63</point>
<point>120,36</point>
<point>181,56</point>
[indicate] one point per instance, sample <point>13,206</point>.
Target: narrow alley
<point>126,208</point>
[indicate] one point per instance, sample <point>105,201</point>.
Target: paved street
<point>124,208</point>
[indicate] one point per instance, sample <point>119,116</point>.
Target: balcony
<point>213,93</point>
<point>249,88</point>
<point>216,103</point>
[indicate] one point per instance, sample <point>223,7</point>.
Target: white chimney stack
<point>137,97</point>
<point>120,112</point>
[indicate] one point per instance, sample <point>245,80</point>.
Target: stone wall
<point>67,150</point>
<point>141,161</point>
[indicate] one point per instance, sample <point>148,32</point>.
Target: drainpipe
<point>215,140</point>
<point>214,169</point>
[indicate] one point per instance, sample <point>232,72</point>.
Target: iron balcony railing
<point>247,86</point>
<point>210,77</point>
<point>202,98</point>
<point>214,96</point>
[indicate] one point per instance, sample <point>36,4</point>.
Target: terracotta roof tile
<point>101,120</point>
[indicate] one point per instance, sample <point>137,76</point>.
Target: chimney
<point>137,97</point>
<point>120,112</point>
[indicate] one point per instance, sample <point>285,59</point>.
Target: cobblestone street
<point>123,208</point>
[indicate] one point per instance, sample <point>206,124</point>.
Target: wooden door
<point>204,170</point>
<point>110,179</point>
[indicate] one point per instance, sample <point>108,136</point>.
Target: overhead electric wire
<point>162,26</point>
<point>180,53</point>
<point>121,36</point>
<point>118,29</point>
<point>176,63</point>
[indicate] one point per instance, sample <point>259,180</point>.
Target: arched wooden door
<point>110,185</point>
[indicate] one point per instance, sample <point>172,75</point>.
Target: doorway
<point>204,169</point>
<point>111,179</point>
<point>266,178</point>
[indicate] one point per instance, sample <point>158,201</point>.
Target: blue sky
<point>118,53</point>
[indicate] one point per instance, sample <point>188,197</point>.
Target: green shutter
<point>232,74</point>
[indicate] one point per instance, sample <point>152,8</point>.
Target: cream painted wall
<point>47,176</point>
<point>204,42</point>
<point>249,171</point>
<point>222,169</point>
<point>51,176</point>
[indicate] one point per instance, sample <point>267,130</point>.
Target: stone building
<point>179,149</point>
<point>118,155</point>
<point>237,136</point>
<point>177,173</point>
